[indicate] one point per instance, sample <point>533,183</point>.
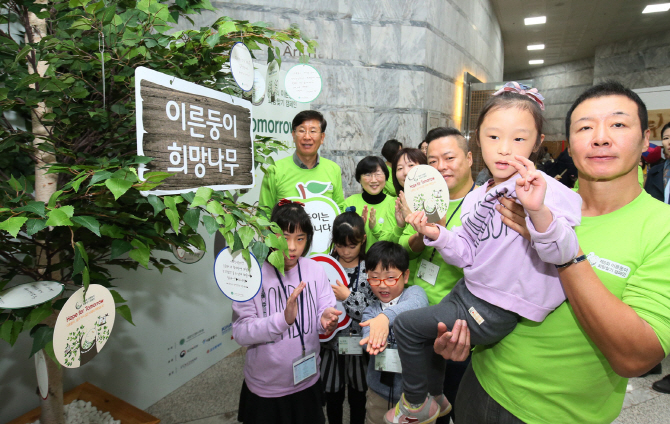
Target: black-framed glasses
<point>390,282</point>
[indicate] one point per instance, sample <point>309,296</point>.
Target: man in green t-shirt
<point>448,153</point>
<point>574,366</point>
<point>305,174</point>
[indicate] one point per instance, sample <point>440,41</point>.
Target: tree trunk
<point>45,186</point>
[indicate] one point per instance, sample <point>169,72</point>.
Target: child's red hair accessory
<point>283,202</point>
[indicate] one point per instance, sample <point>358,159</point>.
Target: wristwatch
<point>576,260</point>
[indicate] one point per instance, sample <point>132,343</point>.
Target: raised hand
<point>531,186</point>
<point>419,222</point>
<point>513,215</point>
<point>372,220</point>
<point>379,332</point>
<point>399,217</point>
<point>364,214</point>
<point>329,319</point>
<point>340,290</point>
<point>291,310</point>
<point>403,202</point>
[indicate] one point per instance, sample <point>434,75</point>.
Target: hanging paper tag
<point>350,345</point>
<point>388,360</point>
<point>304,367</point>
<point>428,272</point>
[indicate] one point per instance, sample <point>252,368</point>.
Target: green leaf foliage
<point>41,335</point>
<point>98,216</point>
<point>124,311</point>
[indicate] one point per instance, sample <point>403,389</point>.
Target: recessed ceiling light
<point>536,62</point>
<point>536,47</point>
<point>537,20</point>
<point>653,8</point>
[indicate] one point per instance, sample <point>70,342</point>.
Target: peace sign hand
<point>531,186</point>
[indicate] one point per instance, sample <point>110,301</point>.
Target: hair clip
<point>524,90</point>
<point>350,209</point>
<point>283,202</point>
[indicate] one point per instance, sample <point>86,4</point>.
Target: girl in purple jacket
<point>280,328</point>
<point>506,277</point>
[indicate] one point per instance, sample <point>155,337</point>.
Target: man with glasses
<point>290,176</point>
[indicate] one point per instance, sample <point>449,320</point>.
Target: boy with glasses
<point>387,267</point>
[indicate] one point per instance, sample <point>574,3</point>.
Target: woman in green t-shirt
<point>376,208</point>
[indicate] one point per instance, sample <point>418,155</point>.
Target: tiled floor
<point>211,398</point>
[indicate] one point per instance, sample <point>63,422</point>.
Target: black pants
<point>452,380</point>
<point>334,402</point>
<point>475,406</point>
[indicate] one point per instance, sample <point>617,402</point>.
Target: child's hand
<point>292,305</point>
<point>420,223</point>
<point>379,332</point>
<point>531,186</point>
<point>329,319</point>
<point>341,291</point>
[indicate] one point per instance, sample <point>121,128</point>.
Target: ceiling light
<point>536,62</point>
<point>537,20</point>
<point>653,8</point>
<point>536,47</point>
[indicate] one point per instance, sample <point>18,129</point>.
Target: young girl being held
<point>347,370</point>
<point>281,328</point>
<point>506,278</point>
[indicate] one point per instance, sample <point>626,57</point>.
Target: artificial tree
<point>71,205</point>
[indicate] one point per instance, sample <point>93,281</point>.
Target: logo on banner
<point>322,212</point>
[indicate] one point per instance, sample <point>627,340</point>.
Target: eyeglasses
<point>390,282</point>
<point>302,132</point>
<point>376,175</point>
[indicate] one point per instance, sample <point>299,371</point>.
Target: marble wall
<point>385,64</point>
<point>636,63</point>
<point>560,85</point>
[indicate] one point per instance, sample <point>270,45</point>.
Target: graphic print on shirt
<point>276,302</point>
<point>481,223</point>
<point>322,211</point>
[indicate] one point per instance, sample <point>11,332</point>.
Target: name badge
<point>304,367</point>
<point>349,345</point>
<point>428,272</point>
<point>388,361</point>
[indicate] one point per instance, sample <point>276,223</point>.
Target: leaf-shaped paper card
<point>426,190</point>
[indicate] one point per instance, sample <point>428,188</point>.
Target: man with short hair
<point>574,366</point>
<point>288,177</point>
<point>390,149</point>
<point>448,153</point>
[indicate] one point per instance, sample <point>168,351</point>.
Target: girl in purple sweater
<point>506,277</point>
<point>280,328</point>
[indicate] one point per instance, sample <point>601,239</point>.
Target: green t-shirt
<point>448,275</point>
<point>384,213</point>
<point>282,179</point>
<point>551,371</point>
<point>388,187</point>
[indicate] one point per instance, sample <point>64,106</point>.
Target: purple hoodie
<point>499,265</point>
<point>273,345</point>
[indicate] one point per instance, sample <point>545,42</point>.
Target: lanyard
<point>357,271</point>
<point>452,215</point>
<point>301,311</point>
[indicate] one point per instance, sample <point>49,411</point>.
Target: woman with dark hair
<point>376,208</point>
<point>403,161</point>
